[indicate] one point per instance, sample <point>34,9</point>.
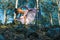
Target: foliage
<point>48,8</point>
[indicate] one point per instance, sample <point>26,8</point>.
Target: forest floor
<point>22,32</point>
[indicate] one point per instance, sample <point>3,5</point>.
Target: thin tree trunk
<point>59,18</point>
<point>51,21</point>
<point>4,16</point>
<point>58,12</point>
<point>16,7</point>
<point>37,12</point>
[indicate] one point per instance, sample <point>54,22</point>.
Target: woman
<point>28,15</point>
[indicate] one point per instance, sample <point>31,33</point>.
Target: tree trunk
<point>4,16</point>
<point>37,12</point>
<point>16,7</point>
<point>51,22</point>
<point>59,18</point>
<point>58,12</point>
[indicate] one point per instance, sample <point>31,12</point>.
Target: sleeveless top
<point>30,16</point>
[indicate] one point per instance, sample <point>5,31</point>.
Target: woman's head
<point>18,10</point>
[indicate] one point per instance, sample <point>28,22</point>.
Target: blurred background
<point>47,14</point>
<point>7,9</point>
<point>46,23</point>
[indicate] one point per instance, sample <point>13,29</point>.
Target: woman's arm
<point>25,12</point>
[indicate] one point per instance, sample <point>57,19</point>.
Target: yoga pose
<point>28,15</point>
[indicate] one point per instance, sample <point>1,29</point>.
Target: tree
<point>48,8</point>
<point>8,4</point>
